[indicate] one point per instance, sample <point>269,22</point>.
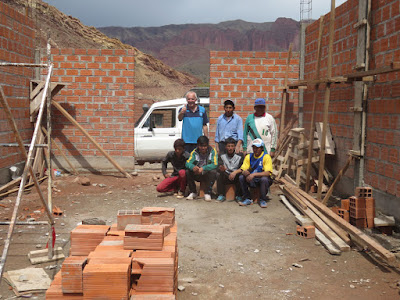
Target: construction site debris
<point>42,256</point>
<point>93,221</point>
<point>28,280</point>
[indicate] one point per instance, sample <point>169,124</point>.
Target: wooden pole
<point>326,102</point>
<point>23,180</point>
<point>285,94</point>
<point>337,179</point>
<point>312,125</point>
<point>75,172</point>
<point>73,121</point>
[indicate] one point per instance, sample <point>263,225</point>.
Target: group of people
<point>242,155</point>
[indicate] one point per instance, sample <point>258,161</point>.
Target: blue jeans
<point>263,182</point>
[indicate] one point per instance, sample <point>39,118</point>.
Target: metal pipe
<point>8,64</point>
<point>25,175</point>
<point>26,223</point>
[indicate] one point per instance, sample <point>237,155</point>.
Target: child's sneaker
<point>191,196</point>
<point>246,202</point>
<point>239,198</point>
<point>207,197</point>
<point>221,198</point>
<point>179,195</point>
<point>263,204</point>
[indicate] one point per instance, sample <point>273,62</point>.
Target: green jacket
<point>212,159</point>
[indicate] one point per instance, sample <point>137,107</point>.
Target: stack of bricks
<point>362,208</point>
<point>117,267</point>
<point>344,210</point>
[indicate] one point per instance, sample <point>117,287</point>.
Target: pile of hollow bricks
<point>359,210</point>
<point>137,258</point>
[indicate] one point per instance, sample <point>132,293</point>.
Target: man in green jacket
<point>260,125</point>
<point>201,166</point>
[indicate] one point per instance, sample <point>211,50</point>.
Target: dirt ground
<point>225,251</point>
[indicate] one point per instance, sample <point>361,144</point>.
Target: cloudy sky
<point>132,13</point>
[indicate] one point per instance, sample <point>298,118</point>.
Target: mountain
<point>154,79</point>
<point>186,47</point>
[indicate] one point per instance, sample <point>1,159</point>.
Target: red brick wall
<point>383,125</point>
<point>17,45</point>
<point>243,76</point>
<point>100,97</point>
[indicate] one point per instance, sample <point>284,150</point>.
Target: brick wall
<point>16,45</point>
<point>243,76</point>
<point>100,96</point>
<point>383,125</point>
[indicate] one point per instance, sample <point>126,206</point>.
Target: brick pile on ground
<point>127,260</point>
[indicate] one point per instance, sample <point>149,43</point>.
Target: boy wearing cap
<point>260,125</point>
<point>229,125</point>
<point>256,171</point>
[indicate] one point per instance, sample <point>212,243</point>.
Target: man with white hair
<point>195,121</point>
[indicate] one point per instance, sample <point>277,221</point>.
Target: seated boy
<point>201,166</point>
<point>256,171</point>
<point>175,182</point>
<point>229,170</point>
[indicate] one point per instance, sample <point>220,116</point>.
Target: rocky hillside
<point>154,79</point>
<point>186,47</point>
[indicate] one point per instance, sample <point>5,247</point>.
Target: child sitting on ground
<point>175,182</point>
<point>256,171</point>
<point>229,170</point>
<point>201,166</point>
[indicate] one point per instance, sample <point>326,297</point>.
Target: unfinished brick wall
<point>383,109</point>
<point>100,96</point>
<point>17,46</point>
<point>243,76</point>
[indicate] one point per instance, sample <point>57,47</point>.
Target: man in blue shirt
<point>229,125</point>
<point>195,121</point>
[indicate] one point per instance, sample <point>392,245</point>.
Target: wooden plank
<point>73,121</point>
<point>304,161</point>
<point>324,228</point>
<point>329,142</point>
<point>337,179</point>
<point>304,221</point>
<point>312,129</point>
<point>359,237</point>
<point>285,94</point>
<point>11,184</point>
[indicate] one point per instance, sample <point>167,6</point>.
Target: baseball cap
<point>258,143</point>
<point>259,101</point>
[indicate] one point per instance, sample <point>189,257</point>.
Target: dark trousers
<point>263,182</point>
<point>190,147</point>
<point>223,180</point>
<point>208,177</point>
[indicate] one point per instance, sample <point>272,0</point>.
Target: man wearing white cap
<point>260,125</point>
<point>256,171</point>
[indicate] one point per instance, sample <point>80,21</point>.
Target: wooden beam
<point>285,94</point>
<point>73,121</point>
<point>337,179</point>
<point>312,125</point>
<point>357,236</point>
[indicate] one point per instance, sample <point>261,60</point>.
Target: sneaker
<point>239,198</point>
<point>246,202</point>
<point>207,197</point>
<point>191,196</point>
<point>179,195</point>
<point>263,203</point>
<point>221,198</point>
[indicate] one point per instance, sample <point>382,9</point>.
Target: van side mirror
<point>152,123</point>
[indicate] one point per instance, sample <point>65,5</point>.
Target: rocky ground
<point>225,251</point>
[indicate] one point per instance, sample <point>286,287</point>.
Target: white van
<point>158,128</point>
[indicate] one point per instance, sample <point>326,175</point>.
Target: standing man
<point>229,125</point>
<point>260,125</point>
<point>195,121</point>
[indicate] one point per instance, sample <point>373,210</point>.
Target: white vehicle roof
<point>178,102</point>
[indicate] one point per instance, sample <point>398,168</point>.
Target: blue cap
<point>257,143</point>
<point>259,101</point>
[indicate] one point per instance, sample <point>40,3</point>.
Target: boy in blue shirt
<point>256,171</point>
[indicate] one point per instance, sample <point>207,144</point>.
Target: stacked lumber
<point>72,274</point>
<point>110,271</point>
<point>144,237</point>
<point>340,232</point>
<point>85,238</point>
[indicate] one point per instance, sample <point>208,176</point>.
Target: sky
<point>149,13</point>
